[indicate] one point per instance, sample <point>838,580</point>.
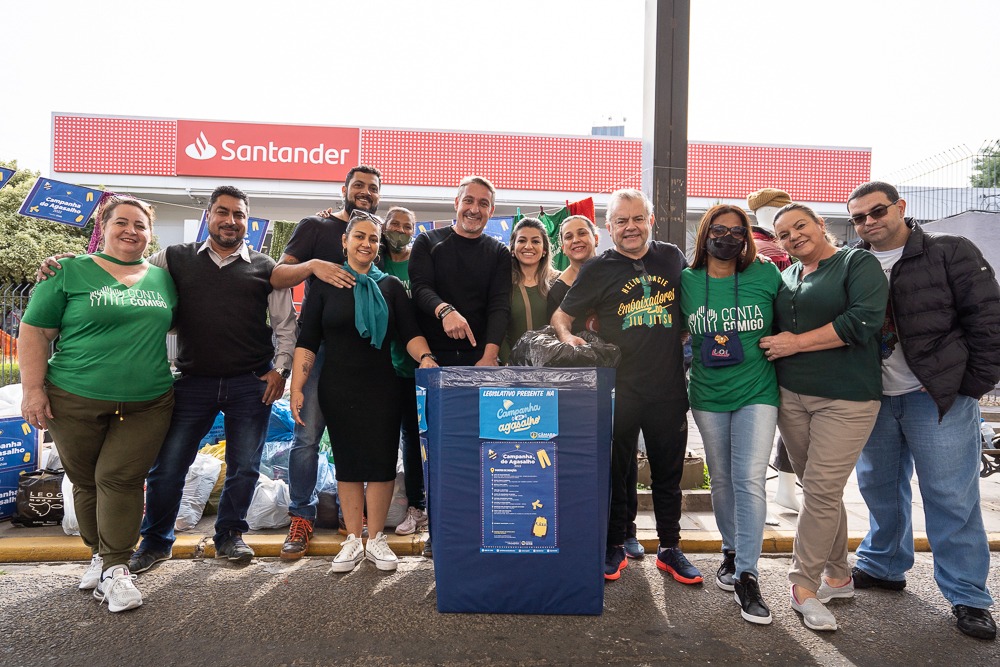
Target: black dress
<point>358,391</point>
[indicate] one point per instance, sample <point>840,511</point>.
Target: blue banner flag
<point>256,231</point>
<point>5,175</point>
<point>61,202</point>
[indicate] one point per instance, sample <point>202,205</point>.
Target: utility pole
<point>664,123</point>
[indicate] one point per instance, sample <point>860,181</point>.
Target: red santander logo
<point>261,150</point>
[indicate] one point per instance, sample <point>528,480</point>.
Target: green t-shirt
<point>112,338</point>
<point>518,322</point>
<point>402,362</point>
<point>753,381</point>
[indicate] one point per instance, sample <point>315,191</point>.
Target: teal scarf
<point>371,313</point>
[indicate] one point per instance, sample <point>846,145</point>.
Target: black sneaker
<point>864,580</point>
<point>634,548</point>
<point>614,562</point>
<point>234,548</point>
<point>975,622</point>
<point>428,550</point>
<point>747,595</point>
<point>726,576</point>
<point>143,559</point>
<point>672,560</point>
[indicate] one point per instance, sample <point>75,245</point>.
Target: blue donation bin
<point>518,472</point>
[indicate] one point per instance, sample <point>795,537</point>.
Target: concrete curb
<point>71,548</point>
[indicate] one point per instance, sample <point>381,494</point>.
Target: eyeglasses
<point>876,213</point>
<point>738,232</point>
<point>641,268</point>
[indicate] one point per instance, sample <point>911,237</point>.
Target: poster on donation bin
<point>256,231</point>
<point>60,202</point>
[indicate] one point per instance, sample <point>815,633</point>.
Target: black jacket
<point>946,304</point>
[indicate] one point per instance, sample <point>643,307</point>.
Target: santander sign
<point>261,150</point>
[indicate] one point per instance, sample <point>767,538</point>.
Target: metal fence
<point>954,181</point>
<point>13,301</point>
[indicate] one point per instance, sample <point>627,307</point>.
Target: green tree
<point>281,232</point>
<point>24,241</point>
<point>986,167</point>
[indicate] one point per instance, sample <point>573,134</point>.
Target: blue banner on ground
<point>256,231</point>
<point>520,505</point>
<point>61,202</point>
<point>5,175</point>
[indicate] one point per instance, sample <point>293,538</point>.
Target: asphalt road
<point>206,612</point>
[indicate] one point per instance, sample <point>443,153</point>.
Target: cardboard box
<point>18,444</point>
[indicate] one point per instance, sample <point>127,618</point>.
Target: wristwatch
<point>284,372</point>
<point>425,355</point>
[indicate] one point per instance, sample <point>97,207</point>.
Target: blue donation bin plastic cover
<point>518,465</point>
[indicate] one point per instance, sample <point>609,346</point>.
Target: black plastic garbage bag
<point>39,500</point>
<point>542,348</point>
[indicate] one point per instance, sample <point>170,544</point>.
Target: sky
<point>910,79</point>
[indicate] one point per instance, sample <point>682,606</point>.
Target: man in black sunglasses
<point>940,355</point>
<point>634,290</point>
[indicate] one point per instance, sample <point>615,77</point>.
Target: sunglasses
<point>738,232</point>
<point>360,214</point>
<point>876,213</point>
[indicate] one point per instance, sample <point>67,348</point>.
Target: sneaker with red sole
<point>614,562</point>
<point>673,560</point>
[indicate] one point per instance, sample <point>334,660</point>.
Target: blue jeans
<point>197,402</point>
<point>737,447</point>
<point>413,471</point>
<point>304,458</point>
<point>907,436</point>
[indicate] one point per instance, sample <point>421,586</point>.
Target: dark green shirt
<point>849,290</point>
<point>401,359</point>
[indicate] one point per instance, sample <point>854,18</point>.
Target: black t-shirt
<point>556,294</point>
<point>637,302</point>
<point>318,238</point>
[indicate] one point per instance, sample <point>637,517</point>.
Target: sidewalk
<point>699,533</point>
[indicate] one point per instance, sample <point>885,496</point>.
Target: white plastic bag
<point>70,525</point>
<point>269,506</point>
<point>198,484</point>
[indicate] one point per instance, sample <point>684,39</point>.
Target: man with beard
<point>634,289</point>
<point>228,363</point>
<point>316,252</point>
<point>461,282</point>
<point>460,279</point>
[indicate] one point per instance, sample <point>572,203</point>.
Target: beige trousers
<point>824,438</point>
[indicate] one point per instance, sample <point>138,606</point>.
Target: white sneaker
<point>352,552</point>
<point>827,592</point>
<point>415,520</point>
<point>814,614</point>
<point>378,552</point>
<point>92,576</point>
<point>116,588</point>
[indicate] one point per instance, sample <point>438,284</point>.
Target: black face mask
<point>725,248</point>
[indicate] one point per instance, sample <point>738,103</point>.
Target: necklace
<point>115,260</point>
